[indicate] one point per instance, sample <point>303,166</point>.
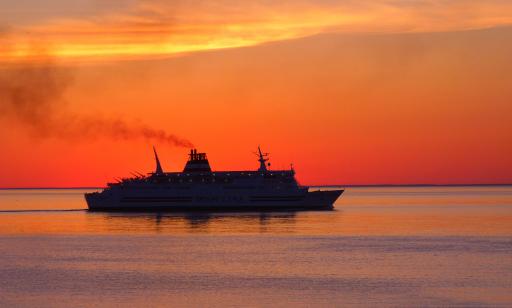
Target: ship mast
<point>159,170</point>
<point>262,159</point>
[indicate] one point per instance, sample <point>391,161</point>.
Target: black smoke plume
<point>31,93</point>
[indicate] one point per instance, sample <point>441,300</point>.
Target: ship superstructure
<point>197,187</point>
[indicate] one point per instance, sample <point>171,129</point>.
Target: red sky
<point>351,93</point>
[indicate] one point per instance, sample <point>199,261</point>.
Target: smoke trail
<point>32,94</point>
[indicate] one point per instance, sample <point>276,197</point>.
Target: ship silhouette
<point>197,187</point>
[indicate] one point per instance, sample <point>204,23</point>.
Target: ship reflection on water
<point>369,211</point>
<point>200,222</point>
<point>380,246</point>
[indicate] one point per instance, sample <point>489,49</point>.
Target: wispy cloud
<point>156,28</point>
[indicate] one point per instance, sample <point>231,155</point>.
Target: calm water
<point>387,246</point>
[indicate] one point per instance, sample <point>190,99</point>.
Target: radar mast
<point>263,158</point>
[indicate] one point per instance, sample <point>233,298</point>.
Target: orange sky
<point>365,92</point>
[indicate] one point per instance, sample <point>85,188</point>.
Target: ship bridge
<point>197,162</point>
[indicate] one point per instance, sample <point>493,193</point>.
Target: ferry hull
<point>315,200</point>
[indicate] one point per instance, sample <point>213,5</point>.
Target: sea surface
<point>381,246</point>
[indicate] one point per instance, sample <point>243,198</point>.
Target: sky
<point>350,92</point>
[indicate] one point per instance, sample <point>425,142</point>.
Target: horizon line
<point>323,185</point>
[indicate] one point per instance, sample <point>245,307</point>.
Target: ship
<point>197,187</point>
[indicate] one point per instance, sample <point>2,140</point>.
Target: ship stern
<point>97,201</point>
